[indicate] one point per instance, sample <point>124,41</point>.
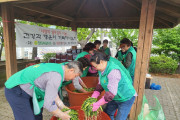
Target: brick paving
<point>169,97</point>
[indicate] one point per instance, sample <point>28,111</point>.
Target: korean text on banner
<point>35,36</point>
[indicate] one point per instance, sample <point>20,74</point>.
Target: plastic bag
<point>151,113</point>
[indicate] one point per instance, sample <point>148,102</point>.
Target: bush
<point>47,56</point>
<point>162,64</point>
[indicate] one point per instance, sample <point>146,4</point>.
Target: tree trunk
<point>34,52</point>
<point>1,49</point>
<point>83,42</point>
<point>178,69</point>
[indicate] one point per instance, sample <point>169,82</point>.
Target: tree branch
<point>83,42</point>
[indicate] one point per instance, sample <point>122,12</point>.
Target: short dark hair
<point>126,41</point>
<point>85,62</point>
<point>99,56</point>
<point>89,46</point>
<point>97,42</point>
<point>105,41</point>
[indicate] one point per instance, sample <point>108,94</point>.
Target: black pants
<point>21,104</point>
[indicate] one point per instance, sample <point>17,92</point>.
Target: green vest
<point>82,54</point>
<point>117,62</point>
<point>131,68</point>
<point>107,50</point>
<point>120,55</point>
<point>29,75</point>
<point>125,88</point>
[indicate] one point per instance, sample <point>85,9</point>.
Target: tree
<point>167,42</point>
<point>1,38</point>
<point>116,35</point>
<point>84,35</point>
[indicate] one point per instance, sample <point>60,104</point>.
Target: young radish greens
<point>87,89</point>
<point>87,108</point>
<point>72,113</point>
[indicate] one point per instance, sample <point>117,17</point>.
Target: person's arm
<point>51,93</point>
<point>97,90</point>
<point>77,85</point>
<point>128,60</point>
<point>63,115</point>
<point>82,83</point>
<point>114,77</point>
<point>59,103</point>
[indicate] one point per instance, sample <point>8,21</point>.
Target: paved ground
<point>169,97</point>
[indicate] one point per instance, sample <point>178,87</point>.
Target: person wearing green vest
<point>77,82</point>
<point>119,91</point>
<point>128,57</point>
<point>37,86</point>
<point>97,43</point>
<point>88,49</point>
<point>105,49</point>
<point>117,62</point>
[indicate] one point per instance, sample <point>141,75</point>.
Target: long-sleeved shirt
<point>114,78</point>
<point>128,60</point>
<point>76,83</point>
<point>49,82</point>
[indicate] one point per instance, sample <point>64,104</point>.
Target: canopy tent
<point>142,14</point>
<point>94,13</point>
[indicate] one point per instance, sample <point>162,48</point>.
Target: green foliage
<point>87,108</point>
<point>117,35</point>
<point>96,34</point>
<point>167,42</point>
<point>162,64</point>
<point>72,113</point>
<point>47,56</point>
<point>87,89</point>
<point>33,23</point>
<point>63,28</point>
<point>82,33</point>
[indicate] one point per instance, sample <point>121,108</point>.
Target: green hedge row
<point>162,64</point>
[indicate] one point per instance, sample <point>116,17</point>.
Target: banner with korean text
<point>35,36</point>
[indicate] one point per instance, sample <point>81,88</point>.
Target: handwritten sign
<point>35,36</point>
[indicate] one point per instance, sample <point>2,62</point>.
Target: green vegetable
<point>87,108</point>
<point>77,91</point>
<point>72,113</point>
<point>87,89</point>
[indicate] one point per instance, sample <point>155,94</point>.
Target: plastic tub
<point>77,99</point>
<point>101,116</point>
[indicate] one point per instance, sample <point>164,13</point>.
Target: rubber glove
<point>61,104</point>
<point>98,104</point>
<point>95,94</point>
<point>92,70</point>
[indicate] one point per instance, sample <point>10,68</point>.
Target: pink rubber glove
<point>92,70</point>
<point>95,94</point>
<point>98,104</point>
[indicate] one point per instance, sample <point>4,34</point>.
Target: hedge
<point>162,64</point>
